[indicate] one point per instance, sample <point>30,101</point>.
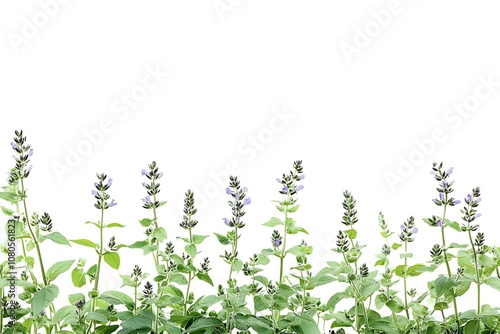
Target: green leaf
<point>306,325</point>
<point>472,327</point>
<point>494,282</point>
<point>294,229</point>
<point>204,324</point>
<point>191,250</point>
<point>351,233</point>
<point>57,237</point>
<point>443,284</point>
<point>146,222</point>
<point>405,255</point>
<point>198,239</point>
<point>222,239</point>
<point>136,324</point>
<point>117,298</point>
<point>205,278</point>
<point>43,298</point>
<point>274,221</point>
<point>113,259</point>
<point>395,246</point>
<point>368,288</point>
<point>160,234</point>
<point>114,225</point>
<point>335,299</point>
<point>415,270</point>
<point>58,268</point>
<point>105,329</point>
<point>96,316</point>
<point>62,313</point>
<point>294,208</point>
<point>92,223</point>
<point>453,225</point>
<point>84,242</point>
<point>300,250</point>
<point>78,277</point>
<point>8,196</point>
<point>6,211</point>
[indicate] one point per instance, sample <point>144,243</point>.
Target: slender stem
<point>190,277</point>
<point>234,247</point>
<point>404,282</point>
<point>455,307</point>
<point>33,236</point>
<point>98,270</point>
<point>355,300</point>
<point>1,309</point>
<point>157,243</point>
<point>25,254</point>
<point>477,273</point>
<point>283,251</point>
<point>135,299</point>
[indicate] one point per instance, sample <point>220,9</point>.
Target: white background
<point>353,118</point>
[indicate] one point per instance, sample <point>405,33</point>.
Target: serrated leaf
<point>56,237</point>
<point>43,298</point>
<point>58,268</point>
<point>222,239</point>
<point>84,242</point>
<point>78,277</point>
<point>274,221</point>
<point>112,259</point>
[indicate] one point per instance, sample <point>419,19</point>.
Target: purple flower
<point>435,201</point>
<point>159,175</point>
<point>276,242</point>
<point>402,227</point>
<point>450,170</point>
<point>30,153</point>
<point>96,184</point>
<point>456,202</point>
<point>110,181</point>
<point>144,172</point>
<point>299,188</point>
<point>278,180</point>
<point>228,191</point>
<point>226,221</point>
<point>439,223</point>
<point>112,203</point>
<point>146,200</point>
<point>478,199</point>
<point>477,215</point>
<point>244,189</point>
<point>414,230</point>
<point>237,196</point>
<point>433,172</point>
<point>469,198</point>
<point>441,197</point>
<point>95,193</point>
<point>247,201</point>
<point>144,184</point>
<point>302,176</point>
<point>29,168</point>
<point>14,145</point>
<point>285,188</point>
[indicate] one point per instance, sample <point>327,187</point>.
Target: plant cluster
<point>378,296</point>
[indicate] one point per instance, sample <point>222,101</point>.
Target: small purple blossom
<point>95,193</point>
<point>237,196</point>
<point>144,184</point>
<point>450,170</point>
<point>402,227</point>
<point>96,184</point>
<point>159,175</point>
<point>414,230</point>
<point>285,188</point>
<point>146,200</point>
<point>144,172</point>
<point>228,191</point>
<point>110,181</point>
<point>435,201</point>
<point>29,168</point>
<point>226,221</point>
<point>247,201</point>
<point>276,242</point>
<point>14,145</point>
<point>456,202</point>
<point>300,187</point>
<point>441,197</point>
<point>278,180</point>
<point>469,198</point>
<point>477,215</point>
<point>244,189</point>
<point>30,153</point>
<point>439,223</point>
<point>112,203</point>
<point>478,199</point>
<point>302,176</point>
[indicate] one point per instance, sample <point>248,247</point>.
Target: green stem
<point>455,307</point>
<point>99,259</point>
<point>477,273</point>
<point>135,299</point>
<point>404,282</point>
<point>234,247</point>
<point>1,309</point>
<point>283,251</point>
<point>33,236</point>
<point>190,277</point>
<point>355,300</point>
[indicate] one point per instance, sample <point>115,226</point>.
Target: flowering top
<point>24,152</point>
<point>288,180</point>
<point>101,194</point>
<point>444,185</point>
<point>238,201</point>
<point>349,218</point>
<point>408,230</point>
<point>189,211</point>
<point>153,187</point>
<point>469,211</point>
